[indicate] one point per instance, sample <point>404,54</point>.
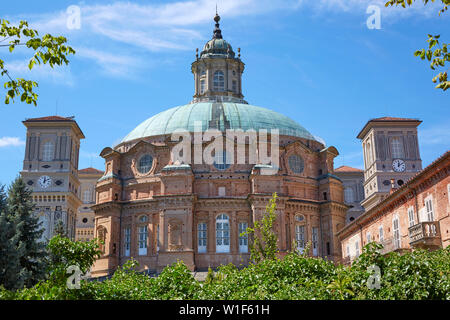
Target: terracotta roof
<point>51,118</point>
<point>347,169</point>
<point>393,119</point>
<point>90,171</point>
<point>385,119</point>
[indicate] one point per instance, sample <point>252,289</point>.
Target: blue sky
<point>315,61</point>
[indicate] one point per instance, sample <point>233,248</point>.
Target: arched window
<point>219,81</point>
<point>101,235</point>
<point>369,154</point>
<point>296,163</point>
<point>397,148</point>
<point>142,235</point>
<point>300,237</point>
<point>222,233</point>
<point>48,151</point>
<point>349,195</point>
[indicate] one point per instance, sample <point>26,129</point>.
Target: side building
<point>85,218</point>
<point>414,215</point>
<point>50,169</point>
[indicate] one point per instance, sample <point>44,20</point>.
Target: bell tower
<point>50,170</point>
<point>217,71</point>
<point>391,151</point>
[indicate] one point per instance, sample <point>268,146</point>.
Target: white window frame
<point>356,249</point>
<point>202,237</point>
<point>411,218</point>
<point>429,208</point>
<point>300,237</point>
<point>222,233</point>
<point>243,240</point>
<point>396,232</point>
<point>315,240</point>
<point>202,86</point>
<point>143,235</point>
<point>381,234</point>
<point>127,241</point>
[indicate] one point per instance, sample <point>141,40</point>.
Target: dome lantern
<point>217,72</point>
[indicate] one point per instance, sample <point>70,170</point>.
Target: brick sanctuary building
<point>158,210</point>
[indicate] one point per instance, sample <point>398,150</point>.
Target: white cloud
<point>11,142</point>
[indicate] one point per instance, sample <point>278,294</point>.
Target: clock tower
<point>50,169</point>
<point>391,151</point>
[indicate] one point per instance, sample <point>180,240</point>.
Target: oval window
<point>145,163</point>
<point>296,163</point>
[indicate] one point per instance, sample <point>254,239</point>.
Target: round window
<point>296,163</point>
<point>85,220</point>
<point>299,218</point>
<point>220,162</point>
<point>145,163</point>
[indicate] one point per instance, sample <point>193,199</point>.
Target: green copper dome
<point>217,115</point>
<point>218,47</point>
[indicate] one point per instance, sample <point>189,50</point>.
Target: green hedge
<point>414,275</point>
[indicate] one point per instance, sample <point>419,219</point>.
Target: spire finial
<point>217,32</point>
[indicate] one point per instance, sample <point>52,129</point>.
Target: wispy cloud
<point>11,142</point>
<point>174,26</point>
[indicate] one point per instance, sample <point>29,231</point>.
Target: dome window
<point>145,164</point>
<point>296,163</point>
<point>219,81</point>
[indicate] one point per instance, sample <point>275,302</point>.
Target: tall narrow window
<point>243,239</point>
<point>315,241</point>
<point>397,148</point>
<point>381,234</point>
<point>357,249</point>
<point>157,238</point>
<point>429,207</point>
<point>219,81</point>
<point>222,233</point>
<point>348,251</point>
<point>349,195</point>
<point>396,230</point>
<point>87,196</point>
<point>127,242</point>
<point>300,237</point>
<point>202,237</point>
<point>142,235</point>
<point>368,237</point>
<point>202,86</point>
<point>234,86</point>
<point>48,151</point>
<point>411,216</point>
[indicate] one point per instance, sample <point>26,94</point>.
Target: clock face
<point>45,181</point>
<point>398,165</point>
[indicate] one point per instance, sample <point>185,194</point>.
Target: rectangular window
<point>243,239</point>
<point>380,231</point>
<point>348,251</point>
<point>429,207</point>
<point>142,234</point>
<point>396,230</point>
<point>397,148</point>
<point>315,241</point>
<point>202,86</point>
<point>202,237</point>
<point>328,249</point>
<point>368,237</point>
<point>411,216</point>
<point>157,238</point>
<point>300,237</point>
<point>127,243</point>
<point>221,191</point>
<point>234,86</point>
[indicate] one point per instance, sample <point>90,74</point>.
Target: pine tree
<point>28,232</point>
<point>11,275</point>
